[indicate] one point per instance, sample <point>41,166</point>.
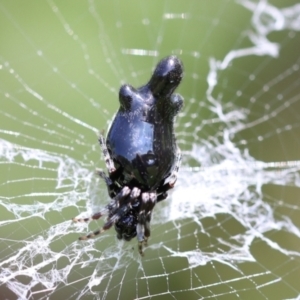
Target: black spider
<point>141,153</point>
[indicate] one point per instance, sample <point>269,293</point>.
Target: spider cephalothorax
<point>140,153</point>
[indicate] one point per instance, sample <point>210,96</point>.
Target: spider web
<point>230,228</point>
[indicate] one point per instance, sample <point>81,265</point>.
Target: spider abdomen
<point>141,138</point>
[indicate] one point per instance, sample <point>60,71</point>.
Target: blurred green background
<point>62,63</point>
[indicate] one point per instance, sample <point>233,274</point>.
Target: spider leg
<point>117,208</point>
<point>148,201</point>
<point>102,174</point>
<point>123,204</point>
<point>162,196</point>
<point>147,228</point>
<point>113,189</point>
<point>170,181</point>
<point>111,186</point>
<point>108,161</point>
<point>111,207</point>
<point>173,176</point>
<point>97,215</point>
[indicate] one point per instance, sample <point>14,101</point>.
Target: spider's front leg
<point>116,209</point>
<point>113,189</point>
<point>108,161</point>
<point>173,176</point>
<point>170,181</point>
<point>148,201</point>
<point>114,193</point>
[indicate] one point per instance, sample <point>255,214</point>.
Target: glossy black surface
<point>141,154</point>
<point>141,139</point>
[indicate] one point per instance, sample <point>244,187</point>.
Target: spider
<point>141,154</point>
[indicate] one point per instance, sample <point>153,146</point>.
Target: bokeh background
<point>230,229</point>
